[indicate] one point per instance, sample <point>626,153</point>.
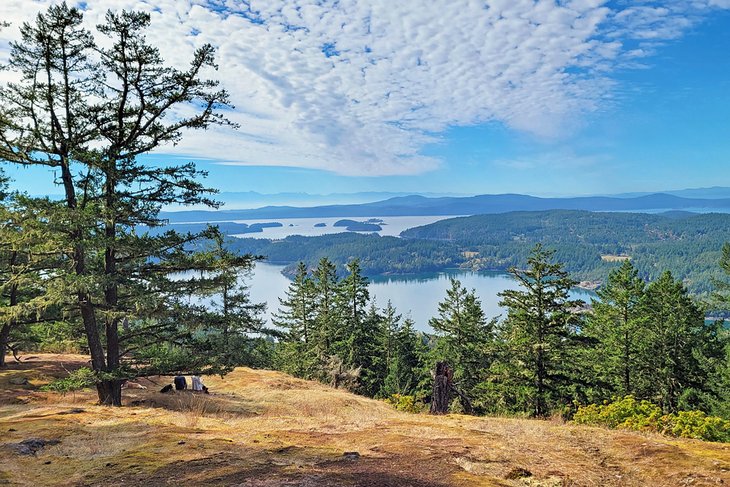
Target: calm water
<point>417,296</point>
<point>392,226</point>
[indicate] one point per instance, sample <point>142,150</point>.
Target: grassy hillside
<point>262,428</point>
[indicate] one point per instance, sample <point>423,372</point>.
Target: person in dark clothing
<point>180,383</point>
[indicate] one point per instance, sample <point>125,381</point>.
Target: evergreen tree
<point>327,330</point>
<point>465,336</point>
<point>683,351</point>
<point>233,321</point>
<point>88,110</point>
<point>297,315</point>
<point>539,333</point>
<point>365,352</point>
<point>405,359</point>
<point>352,304</point>
<point>620,333</point>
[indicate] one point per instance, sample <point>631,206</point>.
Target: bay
<point>416,296</point>
<point>391,226</point>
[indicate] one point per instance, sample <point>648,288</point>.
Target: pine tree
<point>539,333</point>
<point>297,315</point>
<point>618,327</point>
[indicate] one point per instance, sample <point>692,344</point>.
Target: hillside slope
<point>263,428</point>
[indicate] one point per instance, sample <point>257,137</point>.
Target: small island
<point>259,227</point>
<point>320,225</point>
<point>355,226</point>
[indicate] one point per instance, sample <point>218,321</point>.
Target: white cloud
<point>360,87</point>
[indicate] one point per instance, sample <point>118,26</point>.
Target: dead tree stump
<point>442,383</point>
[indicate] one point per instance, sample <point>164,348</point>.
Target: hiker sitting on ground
<point>197,384</point>
<point>180,383</point>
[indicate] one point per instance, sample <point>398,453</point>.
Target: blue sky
<point>336,97</point>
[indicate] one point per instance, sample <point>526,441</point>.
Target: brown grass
<point>615,258</point>
<point>263,428</point>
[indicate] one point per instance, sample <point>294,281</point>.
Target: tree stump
<point>442,383</point>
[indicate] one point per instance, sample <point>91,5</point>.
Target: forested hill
<point>472,205</point>
<point>590,244</point>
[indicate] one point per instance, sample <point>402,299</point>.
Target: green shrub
<point>405,403</point>
<point>78,379</point>
<point>696,424</point>
<point>628,413</point>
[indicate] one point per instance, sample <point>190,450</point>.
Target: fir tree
<point>327,330</point>
<point>465,336</point>
<point>683,351</point>
<point>297,316</point>
<point>618,327</point>
<point>88,110</point>
<point>539,333</point>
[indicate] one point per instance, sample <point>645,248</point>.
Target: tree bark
<point>442,384</point>
<point>4,336</point>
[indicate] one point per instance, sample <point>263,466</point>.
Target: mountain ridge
<point>418,205</point>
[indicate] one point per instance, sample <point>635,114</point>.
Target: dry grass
<point>615,258</point>
<point>262,428</point>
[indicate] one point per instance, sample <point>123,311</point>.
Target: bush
<point>405,403</point>
<point>628,413</point>
<point>696,424</point>
<point>78,379</point>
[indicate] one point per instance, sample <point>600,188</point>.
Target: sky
<point>455,96</point>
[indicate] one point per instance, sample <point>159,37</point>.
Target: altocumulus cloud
<point>359,87</point>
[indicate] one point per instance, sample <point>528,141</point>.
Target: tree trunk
<point>4,336</point>
<point>13,301</point>
<point>441,396</point>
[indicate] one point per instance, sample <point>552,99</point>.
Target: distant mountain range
<point>417,205</point>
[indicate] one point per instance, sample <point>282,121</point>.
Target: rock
<point>31,446</point>
<point>351,455</point>
<point>181,442</point>
<point>518,473</point>
<point>19,381</point>
<point>12,429</point>
<point>74,411</point>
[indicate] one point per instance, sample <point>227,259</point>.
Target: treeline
<point>550,354</point>
<point>377,255</point>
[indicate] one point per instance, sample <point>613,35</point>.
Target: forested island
<point>590,244</point>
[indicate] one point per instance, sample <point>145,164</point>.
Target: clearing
<point>264,428</point>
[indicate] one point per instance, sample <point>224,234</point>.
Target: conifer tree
<point>683,351</point>
<point>365,352</point>
<point>620,333</point>
<point>88,110</point>
<point>539,333</point>
<point>405,358</point>
<point>327,330</point>
<point>466,336</point>
<point>297,316</point>
<point>352,302</point>
<point>233,321</point>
